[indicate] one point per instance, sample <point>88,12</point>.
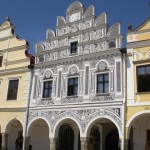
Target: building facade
<point>15,76</point>
<point>78,94</point>
<point>138,86</point>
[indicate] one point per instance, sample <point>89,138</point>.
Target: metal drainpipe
<point>27,109</point>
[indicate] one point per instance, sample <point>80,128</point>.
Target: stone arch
<point>14,129</point>
<point>89,12</point>
<point>73,69</point>
<point>31,124</point>
<point>101,19</point>
<point>92,121</point>
<point>74,6</point>
<point>8,125</point>
<point>39,133</point>
<point>133,118</point>
<point>102,65</point>
<point>112,44</point>
<point>61,121</point>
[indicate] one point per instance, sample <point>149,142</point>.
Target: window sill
<point>73,96</point>
<point>73,54</point>
<point>47,98</point>
<point>103,94</point>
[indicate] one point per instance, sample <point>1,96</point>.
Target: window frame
<point>11,79</point>
<point>46,80</point>
<point>137,85</point>
<point>76,49</point>
<point>69,77</point>
<point>99,73</point>
<point>1,62</point>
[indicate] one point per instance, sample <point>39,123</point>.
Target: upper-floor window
<point>103,83</point>
<point>47,89</point>
<point>143,78</point>
<point>12,89</point>
<point>1,60</point>
<point>73,47</point>
<point>73,86</point>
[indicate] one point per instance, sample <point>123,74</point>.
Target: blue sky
<point>33,17</point>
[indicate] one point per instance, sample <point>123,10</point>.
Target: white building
<point>77,98</point>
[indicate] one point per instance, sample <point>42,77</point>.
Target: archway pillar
<point>126,144</point>
<point>84,143</point>
<point>53,141</point>
<point>4,141</point>
<point>27,141</point>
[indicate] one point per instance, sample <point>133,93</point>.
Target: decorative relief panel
<point>85,37</point>
<point>83,116</point>
<point>85,25</point>
<point>102,98</point>
<point>73,70</point>
<point>69,100</point>
<point>62,54</point>
<point>50,56</point>
<point>101,66</point>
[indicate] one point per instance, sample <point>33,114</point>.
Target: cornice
<point>80,105</point>
<point>106,53</point>
<point>138,44</point>
<point>8,37</point>
<point>141,61</point>
<point>20,109</point>
<point>16,61</point>
<point>14,70</point>
<point>15,48</point>
<point>138,32</point>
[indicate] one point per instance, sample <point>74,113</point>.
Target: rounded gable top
<point>75,6</point>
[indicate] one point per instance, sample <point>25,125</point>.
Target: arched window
<point>65,138</point>
<point>112,44</point>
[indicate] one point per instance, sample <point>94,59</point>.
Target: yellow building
<point>15,76</point>
<point>138,87</point>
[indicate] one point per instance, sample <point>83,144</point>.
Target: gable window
<point>47,89</point>
<point>12,89</point>
<point>74,47</point>
<point>143,78</point>
<point>73,86</point>
<point>103,83</point>
<point>1,60</point>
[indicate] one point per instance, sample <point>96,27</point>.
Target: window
<point>143,78</point>
<point>12,89</point>
<point>1,60</point>
<point>74,47</point>
<point>103,83</point>
<point>47,89</point>
<point>72,86</point>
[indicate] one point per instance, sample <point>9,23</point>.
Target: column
<point>52,143</point>
<point>27,141</point>
<point>126,144</point>
<point>4,141</point>
<point>84,143</point>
